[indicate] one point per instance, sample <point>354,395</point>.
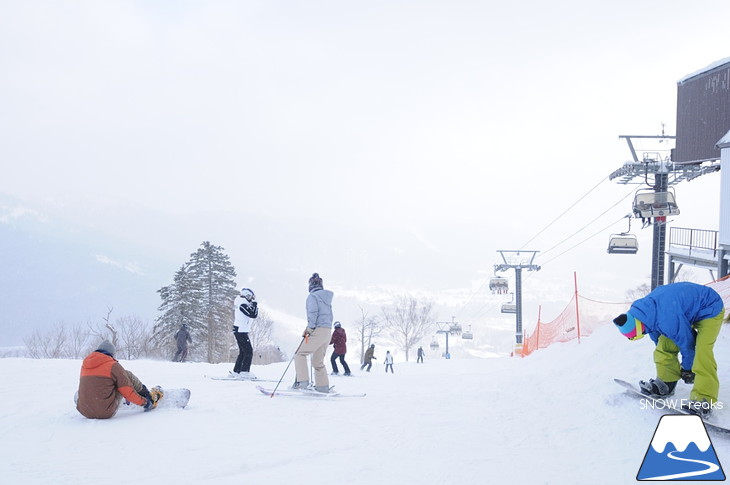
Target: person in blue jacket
<point>680,318</point>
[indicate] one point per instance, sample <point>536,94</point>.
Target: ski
<point>226,378</point>
<point>305,393</point>
<point>668,405</point>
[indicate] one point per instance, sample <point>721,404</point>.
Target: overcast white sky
<point>389,145</point>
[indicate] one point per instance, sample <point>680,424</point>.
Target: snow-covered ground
<point>554,417</point>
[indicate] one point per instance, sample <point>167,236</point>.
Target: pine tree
<point>201,296</point>
<point>181,302</point>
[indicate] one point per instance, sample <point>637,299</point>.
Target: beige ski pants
<point>316,345</point>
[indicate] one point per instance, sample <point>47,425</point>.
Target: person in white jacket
<point>246,309</point>
<point>389,362</point>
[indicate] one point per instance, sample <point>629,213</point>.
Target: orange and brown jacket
<point>101,377</point>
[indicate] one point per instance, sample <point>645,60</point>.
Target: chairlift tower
<point>517,260</point>
<point>452,328</point>
<point>662,173</point>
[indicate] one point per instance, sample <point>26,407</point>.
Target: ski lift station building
<point>703,135</point>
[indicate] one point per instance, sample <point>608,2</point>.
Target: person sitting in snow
<point>104,382</point>
<point>679,317</point>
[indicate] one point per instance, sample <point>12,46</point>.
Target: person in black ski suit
<point>246,310</point>
<point>182,337</point>
<point>420,355</point>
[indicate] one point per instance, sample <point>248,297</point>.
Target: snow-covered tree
<point>201,296</point>
<point>408,320</point>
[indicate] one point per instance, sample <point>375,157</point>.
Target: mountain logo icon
<point>680,450</point>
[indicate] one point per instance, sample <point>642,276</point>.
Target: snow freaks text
<point>678,404</point>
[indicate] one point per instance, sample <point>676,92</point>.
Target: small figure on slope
<point>388,362</point>
<point>679,317</point>
<point>104,382</point>
<point>182,338</point>
<point>316,337</point>
<point>246,309</point>
<point>420,355</point>
<point>339,340</point>
<point>367,359</point>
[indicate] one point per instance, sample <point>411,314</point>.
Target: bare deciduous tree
<point>133,337</point>
<point>408,320</point>
<point>366,329</point>
<point>260,333</point>
<point>78,342</point>
<point>47,344</point>
<point>638,292</point>
<point>103,331</point>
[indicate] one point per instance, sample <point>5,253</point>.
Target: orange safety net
<point>581,320</point>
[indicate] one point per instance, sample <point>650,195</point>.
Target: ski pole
<point>287,366</point>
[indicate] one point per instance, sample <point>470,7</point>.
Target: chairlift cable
<point>543,253</point>
<point>564,212</point>
<point>586,239</point>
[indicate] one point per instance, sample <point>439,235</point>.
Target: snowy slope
<point>553,417</point>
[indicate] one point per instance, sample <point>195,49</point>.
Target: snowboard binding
<point>657,387</point>
<point>156,394</point>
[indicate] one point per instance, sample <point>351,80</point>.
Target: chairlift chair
<point>434,345</point>
<point>649,204</point>
<point>467,335</point>
<point>455,329</point>
<point>509,308</point>
<point>623,243</point>
<point>499,284</point>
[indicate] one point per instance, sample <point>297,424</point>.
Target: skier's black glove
<point>688,376</point>
<point>149,405</point>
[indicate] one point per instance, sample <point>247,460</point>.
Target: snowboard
<point>173,398</point>
<point>668,405</point>
<point>305,393</point>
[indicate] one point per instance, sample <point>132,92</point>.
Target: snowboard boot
<point>657,387</point>
<point>703,409</point>
<point>155,395</point>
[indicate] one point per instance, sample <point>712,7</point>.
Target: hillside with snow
<point>554,417</point>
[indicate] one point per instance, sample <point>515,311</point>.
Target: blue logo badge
<point>680,450</point>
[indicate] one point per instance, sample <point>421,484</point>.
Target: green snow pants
<point>707,384</point>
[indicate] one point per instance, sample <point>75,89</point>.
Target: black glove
<point>149,405</point>
<point>688,376</point>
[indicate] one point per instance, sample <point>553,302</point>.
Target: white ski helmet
<point>248,294</point>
